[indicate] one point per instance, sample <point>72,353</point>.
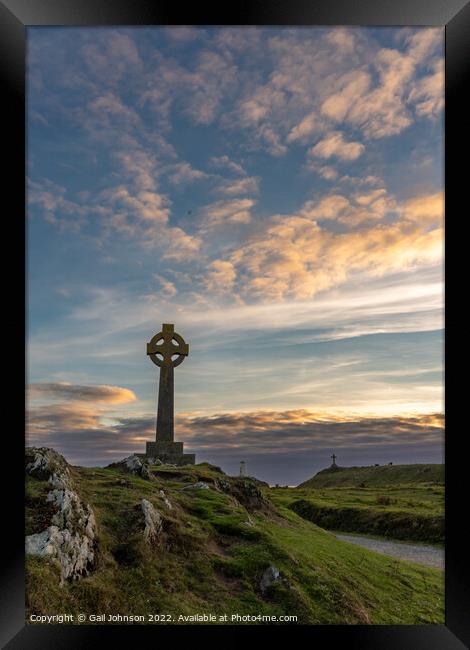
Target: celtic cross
<point>167,349</point>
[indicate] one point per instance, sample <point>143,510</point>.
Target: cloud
<point>146,206</point>
<point>248,185</point>
<point>358,209</point>
<point>380,110</point>
<point>111,104</point>
<point>325,171</point>
<point>233,211</point>
<point>183,33</point>
<point>427,209</point>
<point>343,40</point>
<point>220,277</point>
<point>427,94</point>
<point>185,173</point>
<point>140,166</point>
<point>197,91</point>
<point>349,86</point>
<point>61,418</point>
<point>56,208</point>
<point>302,131</point>
<point>111,56</point>
<point>265,434</point>
<point>368,87</point>
<point>334,145</point>
<point>83,393</point>
<point>225,161</point>
<point>142,216</point>
<point>298,430</point>
<point>167,288</point>
<point>295,257</point>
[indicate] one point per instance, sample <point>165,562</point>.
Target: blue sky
<point>277,193</point>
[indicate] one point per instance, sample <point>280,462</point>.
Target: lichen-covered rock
<point>134,465</point>
<point>153,521</point>
<point>166,501</point>
<point>223,485</point>
<point>269,577</point>
<point>200,485</point>
<point>71,536</point>
<point>42,462</point>
<point>74,552</point>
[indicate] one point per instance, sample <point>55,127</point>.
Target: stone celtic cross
<point>167,349</point>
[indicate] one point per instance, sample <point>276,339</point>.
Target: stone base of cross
<point>170,453</point>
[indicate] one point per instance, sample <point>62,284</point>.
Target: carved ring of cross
<point>168,348</point>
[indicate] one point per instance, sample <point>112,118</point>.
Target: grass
<point>413,512</point>
<point>403,502</point>
<point>383,475</point>
<point>213,551</point>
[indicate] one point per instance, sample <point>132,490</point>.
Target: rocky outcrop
<point>153,521</point>
<point>133,465</point>
<point>269,577</point>
<point>43,462</point>
<point>70,538</point>
<point>247,492</point>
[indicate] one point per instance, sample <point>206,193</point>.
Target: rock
<point>223,485</point>
<point>165,500</point>
<point>134,465</point>
<point>74,552</point>
<point>71,537</point>
<point>43,462</point>
<point>247,492</point>
<point>153,521</point>
<point>200,485</point>
<point>269,577</point>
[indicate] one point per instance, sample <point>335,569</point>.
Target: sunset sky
<point>277,194</point>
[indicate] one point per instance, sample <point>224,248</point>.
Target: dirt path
<point>428,555</point>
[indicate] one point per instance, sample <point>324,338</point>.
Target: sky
<point>277,194</point>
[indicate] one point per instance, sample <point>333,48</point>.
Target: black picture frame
<point>15,17</point>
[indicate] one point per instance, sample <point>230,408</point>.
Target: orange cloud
<point>334,145</point>
<point>76,392</point>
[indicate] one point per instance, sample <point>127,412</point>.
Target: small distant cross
<point>333,457</point>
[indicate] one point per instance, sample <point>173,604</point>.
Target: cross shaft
<point>162,355</point>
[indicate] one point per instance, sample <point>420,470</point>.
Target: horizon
<point>277,194</point>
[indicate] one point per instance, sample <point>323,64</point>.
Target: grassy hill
<point>376,476</point>
<point>404,502</point>
<point>212,552</point>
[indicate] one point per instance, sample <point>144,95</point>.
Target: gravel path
<point>428,555</point>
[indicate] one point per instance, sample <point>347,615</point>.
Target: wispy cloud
<point>334,145</point>
<point>231,211</point>
<point>76,392</point>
